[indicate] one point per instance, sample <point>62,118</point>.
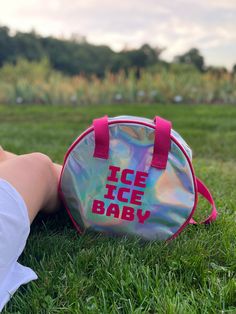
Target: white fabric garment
<point>14,231</point>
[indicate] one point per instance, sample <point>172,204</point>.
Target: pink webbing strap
<point>101,131</point>
<point>203,190</point>
<point>162,143</point>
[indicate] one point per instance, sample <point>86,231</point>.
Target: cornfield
<point>37,83</point>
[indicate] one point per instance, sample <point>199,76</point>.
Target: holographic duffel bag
<point>131,176</point>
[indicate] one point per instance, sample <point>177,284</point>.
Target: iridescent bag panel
<point>131,176</point>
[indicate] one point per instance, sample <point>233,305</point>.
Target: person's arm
<point>35,177</point>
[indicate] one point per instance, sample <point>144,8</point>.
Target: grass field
<point>196,273</point>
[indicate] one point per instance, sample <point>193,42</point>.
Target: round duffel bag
<point>131,176</point>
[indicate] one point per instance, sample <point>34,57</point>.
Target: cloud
<point>177,25</point>
<point>225,4</point>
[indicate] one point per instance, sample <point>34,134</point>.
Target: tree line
<point>75,56</point>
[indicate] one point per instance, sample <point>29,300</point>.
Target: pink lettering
<point>113,174</point>
<point>110,190</point>
<point>142,218</point>
<point>124,174</point>
<point>120,195</point>
<point>140,179</point>
<point>128,213</point>
<point>136,197</point>
<point>113,209</point>
<point>98,207</point>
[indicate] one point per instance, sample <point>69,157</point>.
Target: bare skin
<point>35,177</point>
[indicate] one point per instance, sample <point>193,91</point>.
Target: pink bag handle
<point>101,131</point>
<point>203,190</point>
<point>162,142</point>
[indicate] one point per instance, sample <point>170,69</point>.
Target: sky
<point>176,25</point>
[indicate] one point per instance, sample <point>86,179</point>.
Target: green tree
<point>234,69</point>
<point>28,46</point>
<point>73,56</point>
<point>193,57</point>
<point>6,47</point>
<point>140,58</point>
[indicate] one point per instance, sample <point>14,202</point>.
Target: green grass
<point>96,274</point>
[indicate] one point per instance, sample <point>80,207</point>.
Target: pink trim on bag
<point>61,196</point>
<point>162,143</point>
<point>203,190</point>
<point>90,129</point>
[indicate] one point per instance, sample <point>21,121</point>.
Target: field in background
<point>95,274</point>
<point>38,83</point>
